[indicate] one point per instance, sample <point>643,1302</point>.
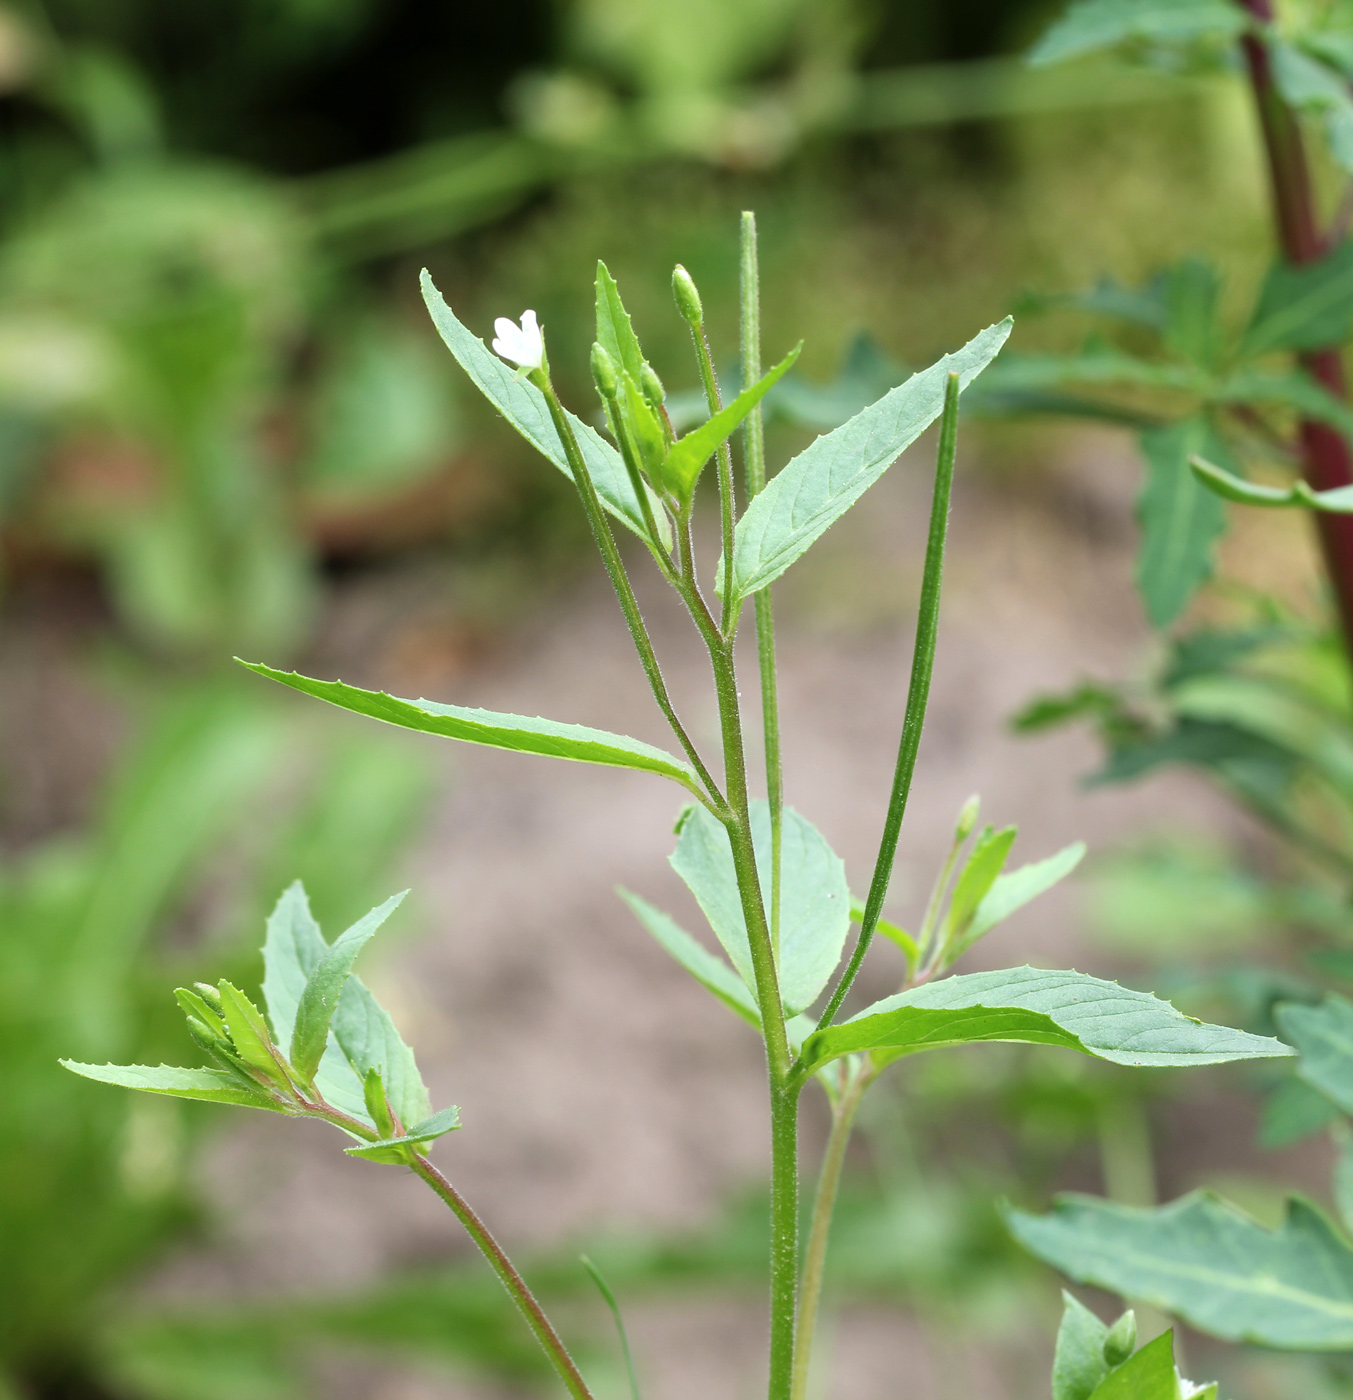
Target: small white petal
<point>524,344</point>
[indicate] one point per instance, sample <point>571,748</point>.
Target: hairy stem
<point>534,1314</point>
<point>754,451</point>
<point>824,1205</point>
<point>615,568</point>
<point>918,694</point>
<point>727,504</point>
<point>1327,461</point>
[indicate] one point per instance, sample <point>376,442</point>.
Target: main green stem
<point>754,451</point>
<point>824,1204</point>
<point>516,1286</point>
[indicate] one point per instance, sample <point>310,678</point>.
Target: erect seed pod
<point>651,386</point>
<point>687,298</point>
<point>1121,1341</point>
<point>604,372</point>
<point>967,819</point>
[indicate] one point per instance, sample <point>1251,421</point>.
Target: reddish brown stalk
<point>1326,459</point>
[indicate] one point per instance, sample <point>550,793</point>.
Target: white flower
<point>523,345</point>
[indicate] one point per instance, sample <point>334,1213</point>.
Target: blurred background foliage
<point>219,398</point>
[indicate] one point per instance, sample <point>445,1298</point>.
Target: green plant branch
<point>861,1075</point>
<point>631,460</point>
<point>754,451</point>
<point>918,695</point>
<point>507,1273</point>
<point>727,504</point>
<point>629,605</point>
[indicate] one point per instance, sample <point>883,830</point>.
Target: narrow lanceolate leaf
<point>524,406</point>
<point>615,333</point>
<point>210,1085</point>
<point>364,1037</point>
<point>814,490</point>
<point>395,1150</point>
<point>685,461</point>
<point>1293,389</point>
<point>319,1001</point>
<point>979,874</point>
<point>814,897</point>
<point>711,972</point>
<point>1202,1260</point>
<point>1092,25</point>
<point>1304,308</point>
<point>1014,889</point>
<point>248,1033</point>
<point>1323,1036</point>
<point>516,732</point>
<point>1078,1365</point>
<point>1180,518</point>
<point>1045,1008</point>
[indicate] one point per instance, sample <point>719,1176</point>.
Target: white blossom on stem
<point>523,345</point>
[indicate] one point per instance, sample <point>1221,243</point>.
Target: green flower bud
<point>604,374</point>
<point>967,819</point>
<point>210,995</point>
<point>687,298</point>
<point>1122,1339</point>
<point>651,386</point>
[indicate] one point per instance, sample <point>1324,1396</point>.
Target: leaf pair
<point>1095,1362</point>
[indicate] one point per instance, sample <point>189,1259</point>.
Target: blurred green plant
<point>190,830</point>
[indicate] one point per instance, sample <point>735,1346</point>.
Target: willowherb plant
<point>775,895</point>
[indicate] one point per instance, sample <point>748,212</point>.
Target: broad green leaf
<point>985,862</point>
<point>1013,890</point>
<point>247,1031</point>
<point>711,972</point>
<point>1078,1364</point>
<point>319,1000</point>
<point>1204,1261</point>
<point>686,459</point>
<point>524,406</point>
<point>396,1150</point>
<point>1037,1007</point>
<point>1304,308</point>
<point>814,897</point>
<point>1234,488</point>
<point>1323,1036</point>
<point>1092,25</point>
<point>211,1085</point>
<point>516,732</point>
<point>1147,1375</point>
<point>815,489</point>
<point>1180,518</point>
<point>615,333</point>
<point>364,1037</point>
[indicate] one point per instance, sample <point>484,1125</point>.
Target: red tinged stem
<point>1326,459</point>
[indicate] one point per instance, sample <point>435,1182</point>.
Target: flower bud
<point>210,995</point>
<point>604,373</point>
<point>1122,1339</point>
<point>651,386</point>
<point>967,819</point>
<point>687,298</point>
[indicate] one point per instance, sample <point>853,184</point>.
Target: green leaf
<point>364,1037</point>
<point>248,1033</point>
<point>1013,890</point>
<point>1091,25</point>
<point>1078,1365</point>
<point>524,406</point>
<point>686,459</point>
<point>1323,1036</point>
<point>398,1150</point>
<point>891,931</point>
<point>1294,389</point>
<point>814,897</point>
<point>1147,1375</point>
<point>1180,519</point>
<point>1234,488</point>
<point>615,333</point>
<point>711,972</point>
<point>1314,87</point>
<point>319,1000</point>
<point>1192,289</point>
<point>1304,308</point>
<point>985,862</point>
<point>515,732</point>
<point>1030,1005</point>
<point>1202,1260</point>
<point>815,489</point>
<point>210,1085</point>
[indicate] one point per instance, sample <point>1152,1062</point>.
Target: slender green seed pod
<point>651,386</point>
<point>687,298</point>
<point>1122,1339</point>
<point>604,374</point>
